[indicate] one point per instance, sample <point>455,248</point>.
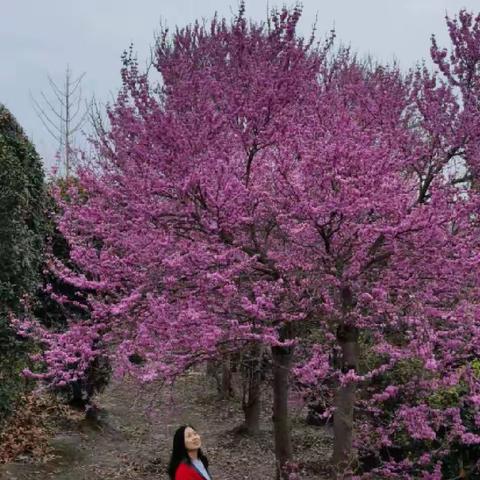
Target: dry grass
<point>133,438</point>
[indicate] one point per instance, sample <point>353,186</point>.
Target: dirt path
<point>134,438</point>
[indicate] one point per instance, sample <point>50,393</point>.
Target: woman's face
<point>192,439</point>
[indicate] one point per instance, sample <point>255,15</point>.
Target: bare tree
<point>63,116</point>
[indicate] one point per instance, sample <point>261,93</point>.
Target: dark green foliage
<point>22,221</point>
<point>22,230</point>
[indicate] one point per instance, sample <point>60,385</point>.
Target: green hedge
<point>22,232</point>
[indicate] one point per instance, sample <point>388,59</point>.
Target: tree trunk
<point>220,371</point>
<point>342,458</point>
<point>213,371</point>
<point>226,387</point>
<point>252,392</point>
<point>282,357</point>
<point>212,368</point>
<point>252,409</point>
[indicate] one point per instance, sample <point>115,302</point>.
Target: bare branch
<point>466,178</point>
<point>58,93</point>
<point>45,118</point>
<point>47,101</point>
<point>77,83</point>
<point>80,122</point>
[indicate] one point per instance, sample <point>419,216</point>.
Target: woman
<point>187,461</point>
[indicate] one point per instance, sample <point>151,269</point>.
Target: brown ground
<point>134,437</point>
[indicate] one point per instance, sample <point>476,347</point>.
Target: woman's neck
<point>193,454</point>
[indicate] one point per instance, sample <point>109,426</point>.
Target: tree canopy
<point>270,181</point>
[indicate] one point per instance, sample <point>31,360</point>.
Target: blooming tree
<point>265,184</point>
<point>414,344</point>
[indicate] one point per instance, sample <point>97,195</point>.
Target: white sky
<point>40,37</point>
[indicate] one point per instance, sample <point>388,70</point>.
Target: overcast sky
<point>40,37</point>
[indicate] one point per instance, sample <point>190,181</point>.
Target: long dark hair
<point>180,454</point>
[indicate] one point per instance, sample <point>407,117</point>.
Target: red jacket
<point>187,472</point>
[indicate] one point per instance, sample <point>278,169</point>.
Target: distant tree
<point>63,116</point>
